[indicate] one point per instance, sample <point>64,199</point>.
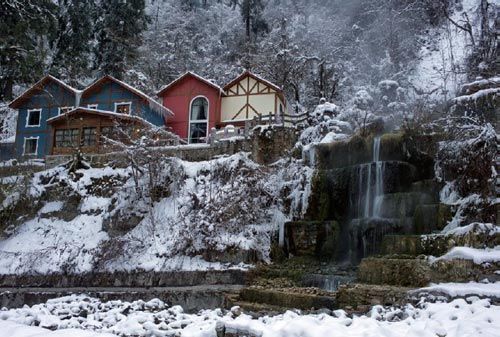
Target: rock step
<point>428,218</point>
<point>259,309</point>
<point>361,296</point>
<point>455,290</point>
<point>410,272</point>
<point>286,299</point>
<point>437,244</point>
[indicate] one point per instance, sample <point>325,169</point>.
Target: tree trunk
<point>6,89</point>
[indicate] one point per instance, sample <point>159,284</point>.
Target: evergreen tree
<point>251,12</point>
<point>119,30</point>
<point>22,50</point>
<point>73,44</point>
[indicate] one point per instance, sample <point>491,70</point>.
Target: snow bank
<point>464,289</point>
<point>479,256</point>
<point>328,125</point>
<point>476,228</point>
<point>459,318</point>
<point>10,329</point>
<point>50,245</point>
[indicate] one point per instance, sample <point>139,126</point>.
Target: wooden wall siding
<point>178,99</point>
<point>80,121</point>
<point>111,93</point>
<point>53,95</point>
<point>49,99</point>
<point>248,98</point>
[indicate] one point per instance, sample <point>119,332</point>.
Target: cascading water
<point>379,178</point>
<point>371,189</point>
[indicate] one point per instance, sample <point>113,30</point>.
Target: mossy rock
<point>329,195</point>
<point>402,244</point>
<point>287,299</point>
<point>312,238</point>
<point>398,272</point>
<point>354,296</point>
<point>277,253</point>
<point>463,271</point>
<point>356,150</point>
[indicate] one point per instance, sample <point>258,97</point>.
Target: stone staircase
<point>407,263</point>
<point>269,301</point>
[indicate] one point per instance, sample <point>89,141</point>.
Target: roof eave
<point>162,91</point>
<point>15,104</point>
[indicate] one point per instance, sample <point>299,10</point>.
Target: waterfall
<point>368,192</point>
<point>379,178</point>
<point>371,189</point>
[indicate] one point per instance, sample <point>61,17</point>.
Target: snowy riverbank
<point>82,316</point>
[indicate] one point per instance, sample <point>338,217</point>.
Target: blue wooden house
<point>55,118</point>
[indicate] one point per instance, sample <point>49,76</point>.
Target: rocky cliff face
<point>369,187</point>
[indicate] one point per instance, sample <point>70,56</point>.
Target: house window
<point>92,106</point>
<point>89,137</point>
<point>198,120</point>
<point>67,138</point>
<point>30,146</point>
<point>33,118</point>
<point>63,110</point>
<point>123,108</point>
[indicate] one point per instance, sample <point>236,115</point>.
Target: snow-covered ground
<point>478,256</point>
<point>81,316</point>
<point>464,289</point>
<point>439,71</point>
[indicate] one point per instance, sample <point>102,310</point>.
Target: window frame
<point>37,138</point>
<point>71,143</point>
<point>70,107</point>
<point>190,121</point>
<point>123,103</point>
<point>82,136</point>
<point>39,118</point>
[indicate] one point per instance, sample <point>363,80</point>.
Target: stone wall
<point>127,279</point>
<point>25,169</point>
<point>270,143</point>
<point>192,299</point>
<point>266,146</point>
<point>194,152</point>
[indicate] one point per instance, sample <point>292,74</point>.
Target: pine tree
<point>73,44</point>
<point>251,12</point>
<point>22,51</point>
<point>119,30</point>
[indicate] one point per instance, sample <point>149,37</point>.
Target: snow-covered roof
<point>248,73</point>
<point>189,73</point>
<point>153,104</point>
<point>105,113</point>
<point>37,86</point>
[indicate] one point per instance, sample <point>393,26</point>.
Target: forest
<point>328,49</point>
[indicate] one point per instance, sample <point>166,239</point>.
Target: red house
<point>201,97</point>
<point>199,104</point>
